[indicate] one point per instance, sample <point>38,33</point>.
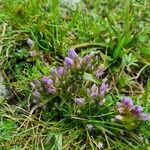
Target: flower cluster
<point>68,79</point>
<point>98,93</point>
<point>49,85</point>
<point>127,109</point>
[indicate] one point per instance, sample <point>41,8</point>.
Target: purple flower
<point>94,95</point>
<point>99,72</point>
<point>51,90</point>
<point>47,81</point>
<point>36,94</point>
<point>137,110</point>
<point>79,101</point>
<point>72,54</point>
<point>143,117</point>
<point>103,88</point>
<point>126,101</point>
<point>94,91</point>
<point>29,42</point>
<point>69,62</point>
<point>61,71</point>
<point>89,127</point>
<point>86,59</point>
<point>53,72</point>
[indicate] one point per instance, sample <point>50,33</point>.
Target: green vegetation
<point>35,39</point>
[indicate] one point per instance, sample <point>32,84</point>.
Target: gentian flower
<point>126,101</point>
<point>61,71</point>
<point>103,88</point>
<point>94,95</point>
<point>51,90</point>
<point>69,62</point>
<point>72,54</point>
<point>137,110</point>
<point>86,59</point>
<point>36,94</point>
<point>94,91</point>
<point>127,108</point>
<point>53,72</point>
<point>143,116</point>
<point>47,81</point>
<point>79,101</point>
<point>99,72</point>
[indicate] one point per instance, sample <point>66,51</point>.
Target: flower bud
<point>79,101</point>
<point>137,110</point>
<point>103,88</point>
<point>144,117</point>
<point>47,81</point>
<point>69,62</point>
<point>72,54</point>
<point>53,72</point>
<point>36,94</point>
<point>61,71</point>
<point>126,101</point>
<point>51,90</point>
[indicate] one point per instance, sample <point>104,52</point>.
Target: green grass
<point>118,31</point>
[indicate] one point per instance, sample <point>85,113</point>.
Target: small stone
<point>5,92</point>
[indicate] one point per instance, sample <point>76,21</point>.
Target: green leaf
<point>59,141</point>
<point>146,94</point>
<point>89,77</point>
<point>119,48</point>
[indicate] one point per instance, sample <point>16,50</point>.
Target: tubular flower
<point>61,71</point>
<point>103,88</point>
<point>79,101</point>
<point>137,110</point>
<point>69,62</point>
<point>99,72</point>
<point>126,101</point>
<point>53,72</point>
<point>72,54</point>
<point>47,81</point>
<point>127,109</point>
<point>51,90</point>
<point>94,91</point>
<point>36,94</point>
